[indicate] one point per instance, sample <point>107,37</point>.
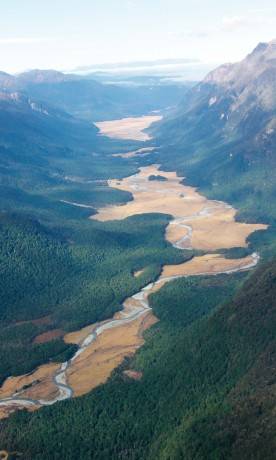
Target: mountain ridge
<point>92,100</point>
<point>226,126</point>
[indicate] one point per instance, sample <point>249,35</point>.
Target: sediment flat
<point>135,153</point>
<point>209,264</point>
<point>128,128</point>
<point>211,223</point>
<point>94,366</point>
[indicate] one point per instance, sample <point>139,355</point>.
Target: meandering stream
<point>135,309</point>
<point>196,223</point>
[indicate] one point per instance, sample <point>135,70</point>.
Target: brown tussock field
<point>136,153</point>
<point>221,231</point>
<point>49,336</point>
<point>94,366</point>
<point>45,320</point>
<point>209,263</point>
<point>77,337</point>
<point>5,412</point>
<point>215,231</point>
<point>128,128</point>
<point>39,384</point>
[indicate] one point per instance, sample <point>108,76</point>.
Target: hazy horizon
<point>73,34</point>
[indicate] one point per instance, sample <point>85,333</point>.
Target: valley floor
<point>128,128</point>
<point>196,224</point>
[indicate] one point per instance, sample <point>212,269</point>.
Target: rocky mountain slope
<point>231,96</point>
<point>224,131</point>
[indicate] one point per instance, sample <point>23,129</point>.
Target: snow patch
<point>212,101</point>
<point>37,108</point>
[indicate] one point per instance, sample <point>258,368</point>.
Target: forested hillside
<point>49,157</point>
<point>222,135</point>
<point>207,388</point>
<point>89,288</point>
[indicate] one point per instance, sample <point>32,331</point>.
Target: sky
<point>65,34</point>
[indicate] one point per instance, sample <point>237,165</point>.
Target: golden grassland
<point>77,337</point>
<point>136,153</point>
<point>90,369</point>
<point>95,364</point>
<point>49,335</point>
<point>37,322</point>
<point>128,128</point>
<point>37,385</point>
<point>208,263</point>
<point>211,232</point>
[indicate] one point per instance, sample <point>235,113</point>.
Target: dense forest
<point>206,391</point>
<point>96,276</point>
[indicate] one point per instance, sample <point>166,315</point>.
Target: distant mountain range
<point>86,98</point>
<point>182,69</point>
<point>47,131</point>
<point>136,64</point>
<point>46,117</point>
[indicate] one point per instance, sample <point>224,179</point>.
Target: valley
<point>137,263</point>
<point>196,224</point>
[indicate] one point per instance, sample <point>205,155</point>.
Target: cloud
<point>229,24</point>
<point>233,23</point>
<point>189,34</point>
<point>250,20</point>
<point>24,40</point>
<point>263,10</point>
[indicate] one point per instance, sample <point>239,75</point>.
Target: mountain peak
<point>6,80</point>
<point>42,76</point>
<point>262,46</point>
<point>238,75</point>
